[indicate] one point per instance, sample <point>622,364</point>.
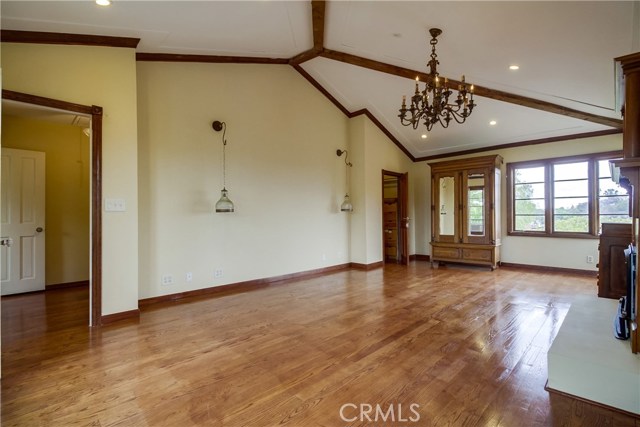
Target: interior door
<point>403,199</point>
<point>22,215</point>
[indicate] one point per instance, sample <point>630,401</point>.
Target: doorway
<point>395,220</point>
<point>94,113</point>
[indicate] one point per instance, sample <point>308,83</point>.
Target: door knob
<point>39,230</point>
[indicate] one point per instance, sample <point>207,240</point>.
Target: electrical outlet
<point>167,279</point>
<point>189,276</point>
<point>218,273</point>
<point>589,259</point>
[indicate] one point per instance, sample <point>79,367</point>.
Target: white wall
<point>540,251</point>
<point>283,175</point>
<point>105,77</point>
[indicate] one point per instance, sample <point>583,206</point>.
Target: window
<point>564,197</point>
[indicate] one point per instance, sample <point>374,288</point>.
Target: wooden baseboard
<point>419,257</point>
<point>591,402</point>
<point>366,267</point>
<point>550,269</point>
<point>235,288</point>
<point>116,317</point>
<point>66,285</point>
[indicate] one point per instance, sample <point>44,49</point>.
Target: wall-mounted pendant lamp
<point>223,204</point>
<point>346,205</point>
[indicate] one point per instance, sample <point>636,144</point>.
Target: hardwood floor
<point>467,346</point>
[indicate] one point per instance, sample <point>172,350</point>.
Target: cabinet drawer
<point>477,254</point>
<point>449,253</point>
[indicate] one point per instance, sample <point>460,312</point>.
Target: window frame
<point>593,181</point>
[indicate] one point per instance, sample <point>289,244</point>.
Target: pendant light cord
<point>224,156</point>
<point>347,166</point>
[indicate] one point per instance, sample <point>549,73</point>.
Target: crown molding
<point>523,144</point>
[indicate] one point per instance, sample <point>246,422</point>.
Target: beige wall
<point>552,252</point>
<point>163,158</point>
<point>282,174</point>
<point>66,192</point>
<point>373,152</point>
<point>105,77</point>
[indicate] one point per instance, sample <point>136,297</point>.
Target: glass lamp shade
<point>224,204</point>
<point>346,205</point>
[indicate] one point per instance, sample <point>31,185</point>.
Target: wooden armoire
<point>465,211</point>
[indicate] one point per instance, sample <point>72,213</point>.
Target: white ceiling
<point>565,51</point>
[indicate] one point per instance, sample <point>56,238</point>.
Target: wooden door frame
<point>95,311</point>
<point>403,209</point>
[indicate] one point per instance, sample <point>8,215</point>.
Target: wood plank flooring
<point>467,346</point>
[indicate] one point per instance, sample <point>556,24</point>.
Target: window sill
<point>554,235</point>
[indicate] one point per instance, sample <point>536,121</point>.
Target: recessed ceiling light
<point>103,2</point>
<point>424,136</point>
<point>493,122</point>
<point>514,67</point>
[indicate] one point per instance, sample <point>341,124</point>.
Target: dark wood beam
<point>317,22</point>
<point>172,57</point>
<point>478,90</point>
<point>317,16</point>
<point>14,36</point>
<point>304,57</point>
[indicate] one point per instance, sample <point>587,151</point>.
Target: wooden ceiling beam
<point>317,17</point>
<point>317,23</point>
<point>478,90</point>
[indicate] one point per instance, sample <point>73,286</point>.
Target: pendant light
<point>224,204</point>
<point>346,205</point>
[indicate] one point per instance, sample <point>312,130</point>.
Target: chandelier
<point>432,104</point>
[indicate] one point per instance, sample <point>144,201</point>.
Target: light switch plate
<point>114,205</point>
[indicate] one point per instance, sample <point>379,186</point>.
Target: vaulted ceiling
<point>364,55</point>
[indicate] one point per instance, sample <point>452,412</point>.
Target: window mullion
<point>593,199</point>
<point>548,192</point>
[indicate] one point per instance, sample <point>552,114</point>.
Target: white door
<point>22,221</point>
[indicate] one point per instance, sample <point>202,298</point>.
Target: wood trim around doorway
<point>96,186</point>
